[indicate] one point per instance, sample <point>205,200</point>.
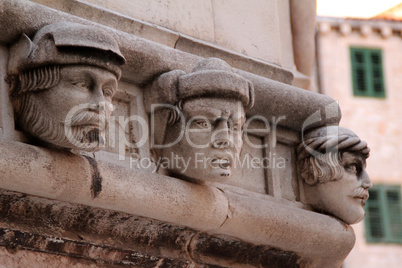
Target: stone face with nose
<point>207,132</point>
<point>332,164</point>
<point>65,78</point>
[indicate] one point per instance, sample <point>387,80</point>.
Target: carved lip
<point>90,119</point>
<point>364,196</point>
<point>224,161</point>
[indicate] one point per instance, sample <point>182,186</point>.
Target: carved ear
<point>307,171</point>
<point>19,52</point>
<point>163,89</point>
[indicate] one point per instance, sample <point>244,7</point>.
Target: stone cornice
<point>116,238</point>
<point>69,178</point>
<point>365,27</point>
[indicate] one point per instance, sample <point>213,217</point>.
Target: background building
<point>359,63</point>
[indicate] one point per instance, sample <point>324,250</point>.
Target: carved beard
<point>80,133</point>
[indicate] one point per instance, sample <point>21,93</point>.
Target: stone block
<point>194,18</point>
<point>251,29</point>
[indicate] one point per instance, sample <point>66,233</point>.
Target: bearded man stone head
<point>332,164</point>
<point>198,119</point>
<point>62,84</point>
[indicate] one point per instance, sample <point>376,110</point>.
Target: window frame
<point>368,67</point>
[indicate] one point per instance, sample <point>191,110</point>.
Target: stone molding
<point>114,238</point>
<point>205,208</point>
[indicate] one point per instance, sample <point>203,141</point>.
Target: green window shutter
<point>394,208</point>
<point>376,73</point>
<point>367,72</point>
<point>374,221</point>
<point>384,214</point>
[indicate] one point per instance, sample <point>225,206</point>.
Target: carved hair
<point>322,168</point>
<point>36,79</point>
<point>31,81</point>
<point>320,155</point>
<point>175,114</point>
<point>30,116</point>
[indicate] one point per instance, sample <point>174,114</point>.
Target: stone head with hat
<point>62,84</point>
<point>197,120</point>
<point>332,165</point>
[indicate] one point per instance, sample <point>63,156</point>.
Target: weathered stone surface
<point>242,62</point>
<point>251,29</point>
<point>67,177</point>
<point>292,107</point>
<point>233,253</point>
<point>112,238</point>
<point>6,115</point>
<point>81,251</point>
<point>303,31</point>
<point>30,258</point>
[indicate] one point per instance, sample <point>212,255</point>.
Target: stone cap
<point>211,77</point>
<point>66,43</point>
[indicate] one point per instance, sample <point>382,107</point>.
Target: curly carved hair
<point>320,154</point>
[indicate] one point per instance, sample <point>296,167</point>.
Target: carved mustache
<point>361,193</point>
<point>86,117</point>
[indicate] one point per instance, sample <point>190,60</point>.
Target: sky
<point>354,8</point>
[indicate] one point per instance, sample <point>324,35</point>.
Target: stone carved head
<point>332,163</point>
<point>198,120</point>
<point>62,84</point>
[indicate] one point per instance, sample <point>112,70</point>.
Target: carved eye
<point>108,92</point>
<point>201,123</point>
<point>353,168</point>
<point>82,84</point>
<point>236,127</point>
